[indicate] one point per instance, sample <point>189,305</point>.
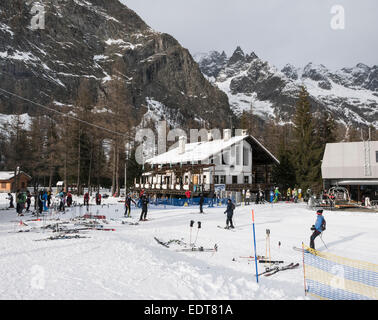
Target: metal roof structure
<point>200,151</point>
<point>351,160</point>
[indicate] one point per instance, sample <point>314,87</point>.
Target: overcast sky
<point>279,31</point>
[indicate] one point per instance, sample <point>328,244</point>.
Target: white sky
<point>279,31</point>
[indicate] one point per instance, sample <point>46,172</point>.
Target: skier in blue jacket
<point>318,228</point>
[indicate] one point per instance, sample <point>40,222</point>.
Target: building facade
<point>353,165</point>
<point>234,163</point>
<point>9,182</point>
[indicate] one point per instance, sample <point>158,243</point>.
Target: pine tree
<point>306,151</point>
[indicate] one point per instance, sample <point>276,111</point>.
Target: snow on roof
<point>7,175</point>
<point>346,160</point>
<point>197,151</point>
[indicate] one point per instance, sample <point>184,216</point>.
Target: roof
<point>350,160</point>
<point>200,151</point>
<point>8,175</point>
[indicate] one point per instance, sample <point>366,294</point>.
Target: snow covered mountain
<point>350,94</point>
<point>100,41</point>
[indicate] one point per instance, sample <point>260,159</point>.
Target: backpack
<point>233,207</point>
<point>323,226</point>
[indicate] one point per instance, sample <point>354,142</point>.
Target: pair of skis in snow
<point>179,242</point>
<point>270,271</point>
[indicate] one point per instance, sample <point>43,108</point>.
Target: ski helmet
<point>319,212</point>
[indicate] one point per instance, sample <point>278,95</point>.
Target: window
<point>376,156</point>
<point>246,179</point>
<point>222,179</point>
<point>245,157</point>
<point>216,179</point>
<point>234,179</point>
<point>3,185</point>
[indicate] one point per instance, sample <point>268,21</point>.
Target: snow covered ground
<point>129,264</point>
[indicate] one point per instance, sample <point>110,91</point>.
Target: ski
<point>288,267</point>
<point>301,250</point>
<point>225,228</point>
<point>268,270</point>
<point>271,261</point>
<point>199,249</point>
<point>161,242</point>
<point>62,237</point>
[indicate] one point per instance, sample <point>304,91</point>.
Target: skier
<point>28,201</point>
<point>20,202</point>
<point>10,198</point>
<point>98,198</point>
<point>276,194</point>
<point>69,199</point>
<point>288,194</point>
<point>40,202</point>
<point>128,201</point>
<point>62,201</point>
<point>257,197</point>
<point>295,193</point>
<point>201,201</point>
<point>248,197</point>
<point>271,195</point>
<point>45,196</point>
<point>318,228</point>
<point>86,199</point>
<point>230,212</point>
<point>144,202</point>
<point>49,198</point>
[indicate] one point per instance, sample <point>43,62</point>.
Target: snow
<point>129,264</point>
<point>7,119</point>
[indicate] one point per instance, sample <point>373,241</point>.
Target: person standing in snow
<point>86,199</point>
<point>276,194</point>
<point>144,203</point>
<point>28,201</point>
<point>295,194</point>
<point>49,198</point>
<point>10,198</point>
<point>69,199</point>
<point>62,201</point>
<point>230,212</point>
<point>201,201</point>
<point>20,202</point>
<point>248,197</point>
<point>128,201</point>
<point>288,194</point>
<point>40,202</point>
<point>45,196</point>
<point>318,228</point>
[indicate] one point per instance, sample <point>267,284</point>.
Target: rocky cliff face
<point>101,41</point>
<point>350,94</point>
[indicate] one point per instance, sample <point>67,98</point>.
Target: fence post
<point>254,241</point>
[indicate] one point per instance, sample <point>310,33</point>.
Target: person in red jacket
<point>86,199</point>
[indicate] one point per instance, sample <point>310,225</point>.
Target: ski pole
<point>199,227</point>
<point>191,227</point>
<point>254,240</point>
<point>321,238</point>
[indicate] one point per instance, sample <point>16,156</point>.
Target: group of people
<point>294,194</point>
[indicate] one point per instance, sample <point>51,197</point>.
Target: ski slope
<point>129,264</point>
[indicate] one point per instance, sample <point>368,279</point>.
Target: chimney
<point>181,146</point>
<point>226,134</point>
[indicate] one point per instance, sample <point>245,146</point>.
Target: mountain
<point>101,42</point>
<point>349,94</point>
